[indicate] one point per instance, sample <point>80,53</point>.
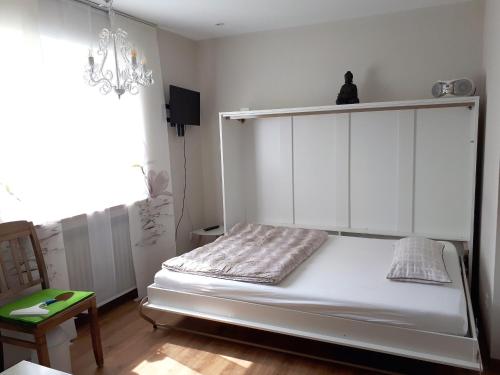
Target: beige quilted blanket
<point>251,252</point>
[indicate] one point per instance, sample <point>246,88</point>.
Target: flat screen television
<point>184,106</point>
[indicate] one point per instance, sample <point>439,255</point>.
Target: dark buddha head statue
<point>348,77</point>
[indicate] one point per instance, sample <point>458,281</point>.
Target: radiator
<point>98,253</point>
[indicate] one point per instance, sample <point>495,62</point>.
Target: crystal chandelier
<point>125,72</point>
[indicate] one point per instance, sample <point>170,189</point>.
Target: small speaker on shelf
<point>456,87</point>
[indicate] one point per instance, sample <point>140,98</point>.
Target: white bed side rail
<point>429,346</point>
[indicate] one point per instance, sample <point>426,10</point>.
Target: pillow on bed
<point>419,260</point>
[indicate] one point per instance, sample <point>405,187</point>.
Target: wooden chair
<point>16,235</point>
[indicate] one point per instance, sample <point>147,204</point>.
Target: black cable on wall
<point>184,189</point>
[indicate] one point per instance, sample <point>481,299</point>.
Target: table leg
<point>96,334</point>
<point>42,350</point>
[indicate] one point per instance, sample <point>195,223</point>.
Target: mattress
<point>346,278</point>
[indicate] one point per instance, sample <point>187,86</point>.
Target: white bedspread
<point>346,277</point>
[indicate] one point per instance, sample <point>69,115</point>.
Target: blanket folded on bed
<point>251,252</point>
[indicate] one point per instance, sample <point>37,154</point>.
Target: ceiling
<point>197,19</point>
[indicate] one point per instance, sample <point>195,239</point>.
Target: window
<point>65,149</point>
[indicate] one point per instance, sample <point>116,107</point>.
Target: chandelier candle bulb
<point>133,54</point>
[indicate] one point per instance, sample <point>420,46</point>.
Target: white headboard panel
<point>268,170</point>
<point>394,168</point>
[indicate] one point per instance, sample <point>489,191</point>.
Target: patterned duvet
<point>251,252</point>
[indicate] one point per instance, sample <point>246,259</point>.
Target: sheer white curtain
<point>67,153</point>
<point>65,149</point>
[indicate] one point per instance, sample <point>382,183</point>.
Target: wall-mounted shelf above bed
<point>351,108</point>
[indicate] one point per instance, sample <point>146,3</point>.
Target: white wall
<point>393,57</point>
<point>489,275</point>
<point>178,56</point>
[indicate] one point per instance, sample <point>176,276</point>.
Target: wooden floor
<point>131,346</point>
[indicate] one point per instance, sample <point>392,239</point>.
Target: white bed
<point>374,169</point>
<point>326,284</point>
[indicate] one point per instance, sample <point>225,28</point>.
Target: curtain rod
<point>95,5</point>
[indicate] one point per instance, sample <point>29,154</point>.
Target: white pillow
<point>419,260</point>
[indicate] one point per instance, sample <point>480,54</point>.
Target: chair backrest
<point>21,260</point>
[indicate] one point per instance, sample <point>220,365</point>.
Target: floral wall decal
<point>158,184</point>
<point>154,206</point>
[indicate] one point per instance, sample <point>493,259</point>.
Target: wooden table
<point>205,236</point>
<point>29,368</point>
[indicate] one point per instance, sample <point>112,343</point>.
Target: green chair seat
<point>40,297</point>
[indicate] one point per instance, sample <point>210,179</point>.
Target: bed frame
<point>405,122</point>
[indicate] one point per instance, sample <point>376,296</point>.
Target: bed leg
<point>144,316</point>
<point>153,322</point>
